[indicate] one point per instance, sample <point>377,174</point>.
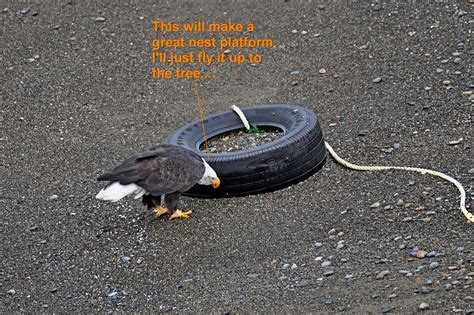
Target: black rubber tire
<point>295,156</point>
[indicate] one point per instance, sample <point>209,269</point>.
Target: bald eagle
<point>162,170</point>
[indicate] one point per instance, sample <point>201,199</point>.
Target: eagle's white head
<point>209,177</point>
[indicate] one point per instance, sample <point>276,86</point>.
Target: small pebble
<point>295,72</point>
<point>304,32</point>
<point>303,283</point>
<point>375,205</point>
<point>126,259</point>
<point>407,219</point>
<point>53,197</point>
<point>424,306</point>
<point>252,275</point>
<point>325,263</point>
<point>434,265</point>
<point>377,80</point>
<point>426,290</point>
<point>294,266</point>
<point>455,142</point>
<point>432,254</point>
<point>420,254</point>
<point>294,31</point>
<point>402,246</point>
<point>11,292</point>
<point>322,71</point>
<point>426,220</point>
<point>400,202</point>
<point>328,272</point>
<point>457,60</point>
<point>318,244</point>
<point>99,19</point>
<point>382,274</point>
<point>112,294</point>
<point>419,268</point>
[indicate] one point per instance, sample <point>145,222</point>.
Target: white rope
<point>462,203</point>
<point>241,116</point>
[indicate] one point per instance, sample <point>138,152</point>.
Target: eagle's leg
<point>153,204</point>
<point>171,201</point>
<point>158,210</point>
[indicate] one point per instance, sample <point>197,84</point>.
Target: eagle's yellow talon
<point>159,211</point>
<point>180,214</point>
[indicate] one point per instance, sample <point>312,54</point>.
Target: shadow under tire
<point>295,156</point>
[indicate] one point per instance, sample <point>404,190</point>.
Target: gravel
<point>241,140</point>
<point>88,102</point>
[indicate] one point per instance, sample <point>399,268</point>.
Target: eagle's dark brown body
<point>161,170</point>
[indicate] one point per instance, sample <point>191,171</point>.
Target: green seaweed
<point>254,129</point>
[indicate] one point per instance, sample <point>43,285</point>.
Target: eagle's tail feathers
<point>115,191</point>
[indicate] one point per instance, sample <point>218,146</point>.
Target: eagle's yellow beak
<point>216,183</point>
